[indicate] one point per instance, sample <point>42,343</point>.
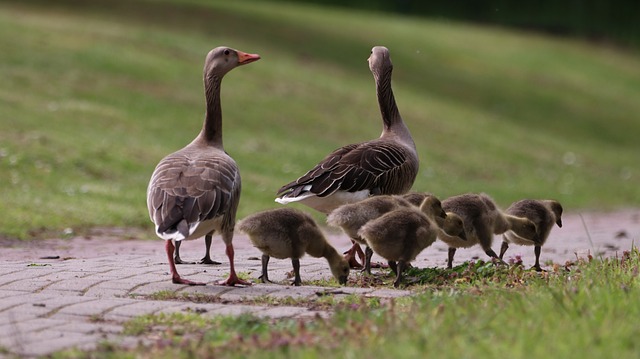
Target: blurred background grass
<point>93,94</point>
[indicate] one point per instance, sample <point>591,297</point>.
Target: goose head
<point>379,60</point>
<point>223,59</point>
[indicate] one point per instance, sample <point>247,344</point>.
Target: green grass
<point>95,93</point>
<point>580,309</point>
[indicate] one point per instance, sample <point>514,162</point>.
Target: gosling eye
<point>226,51</point>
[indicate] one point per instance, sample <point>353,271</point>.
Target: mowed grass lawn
<point>94,94</point>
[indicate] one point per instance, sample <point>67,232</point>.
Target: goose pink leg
<point>233,277</point>
<point>175,277</point>
<point>352,255</point>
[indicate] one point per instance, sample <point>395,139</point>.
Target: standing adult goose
<point>544,213</point>
<point>195,191</point>
<point>482,219</point>
<point>386,165</point>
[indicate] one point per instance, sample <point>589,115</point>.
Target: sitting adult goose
<point>400,235</point>
<point>386,165</point>
<point>482,219</point>
<point>290,233</point>
<point>195,191</point>
<point>544,213</point>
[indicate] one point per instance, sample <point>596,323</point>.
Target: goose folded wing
<point>378,167</point>
<point>191,190</point>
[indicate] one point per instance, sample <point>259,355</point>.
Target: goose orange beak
<point>244,58</point>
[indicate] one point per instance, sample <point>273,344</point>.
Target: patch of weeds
<point>381,278</point>
<point>245,276</point>
<point>474,273</point>
<point>164,295</point>
<point>326,282</point>
<point>96,318</point>
<point>280,301</point>
<point>104,349</point>
<point>171,324</point>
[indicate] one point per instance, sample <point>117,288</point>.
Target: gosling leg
<point>450,254</point>
<point>296,271</point>
<point>536,251</point>
<point>265,262</point>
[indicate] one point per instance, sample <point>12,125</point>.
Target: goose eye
<point>226,51</point>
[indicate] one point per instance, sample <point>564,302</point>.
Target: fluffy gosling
<point>289,233</point>
<point>544,213</point>
<point>351,217</point>
<point>399,236</point>
<point>482,219</point>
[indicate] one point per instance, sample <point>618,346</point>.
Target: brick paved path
<point>99,282</point>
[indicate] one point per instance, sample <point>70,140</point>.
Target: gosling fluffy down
<point>351,217</point>
<point>289,233</point>
<point>482,219</point>
<point>544,213</point>
<point>399,236</point>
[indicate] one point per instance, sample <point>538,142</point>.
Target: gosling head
<point>223,59</point>
<point>556,208</point>
<point>340,271</point>
<point>432,207</point>
<point>454,226</point>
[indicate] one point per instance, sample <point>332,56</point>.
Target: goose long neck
<point>386,101</point>
<point>212,128</point>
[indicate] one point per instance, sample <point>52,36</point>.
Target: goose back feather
<point>386,165</point>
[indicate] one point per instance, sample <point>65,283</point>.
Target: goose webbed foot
<point>179,260</point>
<point>494,257</point>
<point>175,277</point>
<point>179,280</point>
<point>538,268</point>
<point>208,260</point>
<point>352,256</point>
<point>176,254</point>
<point>234,280</point>
<point>379,265</point>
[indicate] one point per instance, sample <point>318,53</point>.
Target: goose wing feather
<point>192,189</point>
<point>382,166</point>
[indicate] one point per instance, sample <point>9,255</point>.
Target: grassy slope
<point>92,96</point>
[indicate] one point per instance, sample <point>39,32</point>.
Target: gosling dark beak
<point>244,58</point>
<point>559,222</point>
